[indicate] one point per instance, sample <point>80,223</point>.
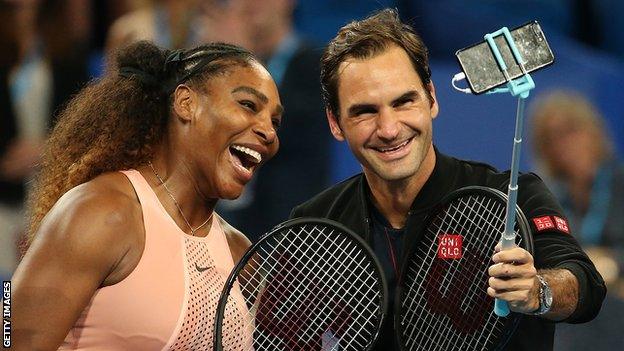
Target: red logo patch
<point>543,223</point>
<point>562,224</point>
<point>449,246</point>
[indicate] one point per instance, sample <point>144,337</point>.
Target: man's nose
<point>387,124</point>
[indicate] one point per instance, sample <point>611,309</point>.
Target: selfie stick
<point>519,87</point>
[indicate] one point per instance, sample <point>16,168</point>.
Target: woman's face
<point>233,129</point>
<point>573,148</point>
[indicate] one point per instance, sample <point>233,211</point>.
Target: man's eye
<point>403,102</point>
<point>276,123</point>
<point>248,104</point>
<point>365,111</point>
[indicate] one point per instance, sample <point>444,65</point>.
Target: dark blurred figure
<point>11,190</point>
<point>63,28</point>
<point>301,167</point>
<point>170,24</point>
<point>574,153</point>
<point>43,64</point>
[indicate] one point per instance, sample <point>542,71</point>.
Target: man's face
<point>385,114</point>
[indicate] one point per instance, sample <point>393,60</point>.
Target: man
<point>379,97</point>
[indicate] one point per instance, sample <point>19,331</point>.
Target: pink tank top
<point>169,300</point>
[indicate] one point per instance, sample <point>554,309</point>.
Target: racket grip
<point>501,308</point>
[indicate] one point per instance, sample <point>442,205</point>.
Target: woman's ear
<point>184,102</point>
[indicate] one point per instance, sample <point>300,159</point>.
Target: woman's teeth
<point>255,155</point>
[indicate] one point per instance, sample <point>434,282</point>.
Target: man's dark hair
<point>365,39</point>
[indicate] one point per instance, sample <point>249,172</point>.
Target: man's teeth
<point>394,148</point>
<point>254,154</point>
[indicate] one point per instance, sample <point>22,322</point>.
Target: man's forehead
<point>377,77</point>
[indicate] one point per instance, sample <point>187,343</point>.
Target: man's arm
<point>565,290</point>
<point>577,288</point>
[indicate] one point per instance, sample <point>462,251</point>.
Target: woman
<point>135,260</point>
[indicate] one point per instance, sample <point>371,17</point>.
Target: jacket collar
<point>439,184</point>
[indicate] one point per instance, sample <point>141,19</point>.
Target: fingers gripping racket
<point>442,301</point>
<point>309,284</point>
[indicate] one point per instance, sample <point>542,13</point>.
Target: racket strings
<point>431,251</point>
<point>310,289</point>
<point>314,323</point>
<point>453,311</point>
<point>465,285</point>
<point>484,276</point>
<point>316,277</point>
<point>455,213</point>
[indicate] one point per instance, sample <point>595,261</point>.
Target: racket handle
<point>501,308</point>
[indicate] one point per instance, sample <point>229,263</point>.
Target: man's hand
<point>513,279</point>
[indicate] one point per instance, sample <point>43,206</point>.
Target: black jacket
<point>347,203</point>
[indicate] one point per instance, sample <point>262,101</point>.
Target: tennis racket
<point>309,284</point>
<point>442,301</point>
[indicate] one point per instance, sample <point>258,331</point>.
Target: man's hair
<point>365,39</point>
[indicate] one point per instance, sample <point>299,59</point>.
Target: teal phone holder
<point>516,87</point>
<point>520,87</point>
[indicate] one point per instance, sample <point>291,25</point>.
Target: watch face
<point>548,298</point>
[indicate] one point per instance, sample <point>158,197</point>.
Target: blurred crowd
<point>52,48</point>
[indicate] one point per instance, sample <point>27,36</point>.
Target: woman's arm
<point>79,247</point>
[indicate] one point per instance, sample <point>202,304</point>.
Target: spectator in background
<point>302,166</point>
<point>62,45</point>
<point>11,189</point>
<point>170,24</point>
<point>574,153</point>
<point>43,64</point>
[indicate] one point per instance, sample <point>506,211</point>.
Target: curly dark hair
<point>114,123</point>
<point>365,39</point>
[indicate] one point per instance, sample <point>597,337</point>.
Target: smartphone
<point>480,66</point>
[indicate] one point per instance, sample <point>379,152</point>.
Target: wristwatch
<point>545,297</point>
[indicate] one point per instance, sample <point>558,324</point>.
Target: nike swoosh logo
<point>201,269</point>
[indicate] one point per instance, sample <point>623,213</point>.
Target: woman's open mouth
<point>245,160</point>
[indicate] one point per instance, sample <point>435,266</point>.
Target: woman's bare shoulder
<point>100,221</point>
<point>105,201</point>
<point>237,241</point>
